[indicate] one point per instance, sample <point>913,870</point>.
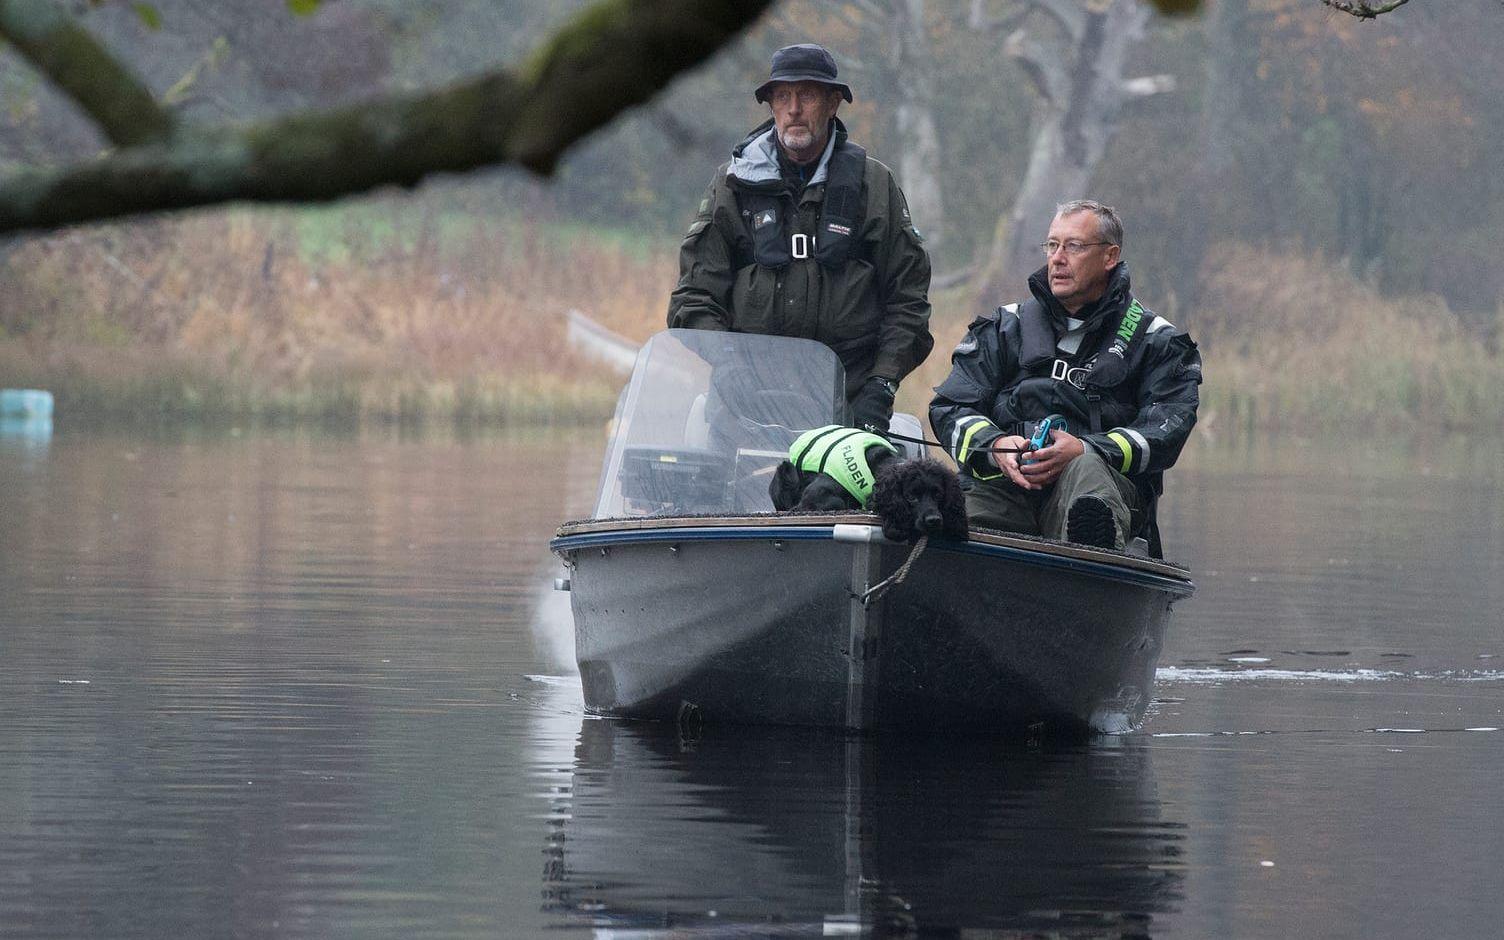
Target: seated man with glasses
<point>1081,348</point>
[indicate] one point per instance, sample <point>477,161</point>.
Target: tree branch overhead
<point>613,56</point>
<point>73,60</point>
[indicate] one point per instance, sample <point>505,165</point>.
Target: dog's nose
<point>931,522</point>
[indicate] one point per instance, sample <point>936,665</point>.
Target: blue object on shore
<point>25,415</point>
<point>25,403</point>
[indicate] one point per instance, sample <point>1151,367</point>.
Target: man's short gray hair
<point>1108,223</point>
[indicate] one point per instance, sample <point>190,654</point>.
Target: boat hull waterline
<point>759,620</point>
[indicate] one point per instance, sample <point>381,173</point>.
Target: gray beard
<point>793,142</point>
<point>789,148</point>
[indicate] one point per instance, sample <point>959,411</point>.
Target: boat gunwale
<point>590,533</point>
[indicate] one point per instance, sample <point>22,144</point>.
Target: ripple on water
<point>1211,675</point>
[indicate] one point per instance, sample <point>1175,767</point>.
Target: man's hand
<point>1047,462</point>
<point>872,408</point>
<point>1008,462</point>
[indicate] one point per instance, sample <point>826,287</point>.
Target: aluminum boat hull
<point>760,620</point>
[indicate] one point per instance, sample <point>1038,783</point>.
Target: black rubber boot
<point>1089,522</point>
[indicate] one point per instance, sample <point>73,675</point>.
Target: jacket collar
<point>1106,309</point>
<point>754,162</point>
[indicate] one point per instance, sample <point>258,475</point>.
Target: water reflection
<point>313,685</point>
<point>793,832</point>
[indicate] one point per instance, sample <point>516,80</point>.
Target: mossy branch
<point>615,55</point>
<point>73,60</point>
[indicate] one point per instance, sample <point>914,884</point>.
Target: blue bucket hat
<point>805,62</point>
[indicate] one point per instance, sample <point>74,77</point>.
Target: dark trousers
<point>1001,504</point>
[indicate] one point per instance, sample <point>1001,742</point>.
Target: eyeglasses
<point>1072,248</point>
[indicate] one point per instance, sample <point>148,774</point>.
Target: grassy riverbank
<point>1290,341</point>
<point>330,313</point>
<point>366,312</point>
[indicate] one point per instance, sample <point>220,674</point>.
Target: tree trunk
<point>1082,96</point>
<point>1228,67</point>
<point>918,141</point>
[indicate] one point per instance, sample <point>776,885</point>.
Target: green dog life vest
<point>841,454</point>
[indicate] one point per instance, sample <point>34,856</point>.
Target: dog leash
<point>984,450</point>
<point>876,591</point>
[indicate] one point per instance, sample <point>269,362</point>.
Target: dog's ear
<point>892,504</point>
<point>785,487</point>
<point>953,504</point>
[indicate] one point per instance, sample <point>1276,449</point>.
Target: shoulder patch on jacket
<point>968,344</point>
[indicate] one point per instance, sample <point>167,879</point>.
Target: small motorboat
<point>694,602</point>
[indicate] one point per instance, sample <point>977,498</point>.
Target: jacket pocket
<point>850,311</point>
<point>752,298</point>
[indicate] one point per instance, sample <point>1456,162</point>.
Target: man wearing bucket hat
<point>803,234</point>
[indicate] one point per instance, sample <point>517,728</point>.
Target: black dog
<point>919,497</point>
<point>912,497</point>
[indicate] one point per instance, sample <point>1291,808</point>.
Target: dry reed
<point>326,313</point>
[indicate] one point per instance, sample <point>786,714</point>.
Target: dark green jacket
<point>873,310</point>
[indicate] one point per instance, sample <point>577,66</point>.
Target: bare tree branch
<point>685,135</point>
<point>613,56</point>
<point>866,6</point>
<point>210,60</point>
<point>1175,7</point>
<point>61,49</point>
<point>1070,14</point>
<point>1041,64</point>
<point>979,20</point>
<point>1362,10</point>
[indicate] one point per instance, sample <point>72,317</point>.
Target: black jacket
<point>1129,392</point>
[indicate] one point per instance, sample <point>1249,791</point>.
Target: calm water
<point>294,684</point>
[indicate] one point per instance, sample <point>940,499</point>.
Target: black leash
<point>982,450</point>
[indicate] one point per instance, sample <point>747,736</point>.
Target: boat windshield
<point>706,417</point>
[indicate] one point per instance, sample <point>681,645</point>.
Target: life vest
<point>767,210</point>
<point>840,453</point>
<point>1107,368</point>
